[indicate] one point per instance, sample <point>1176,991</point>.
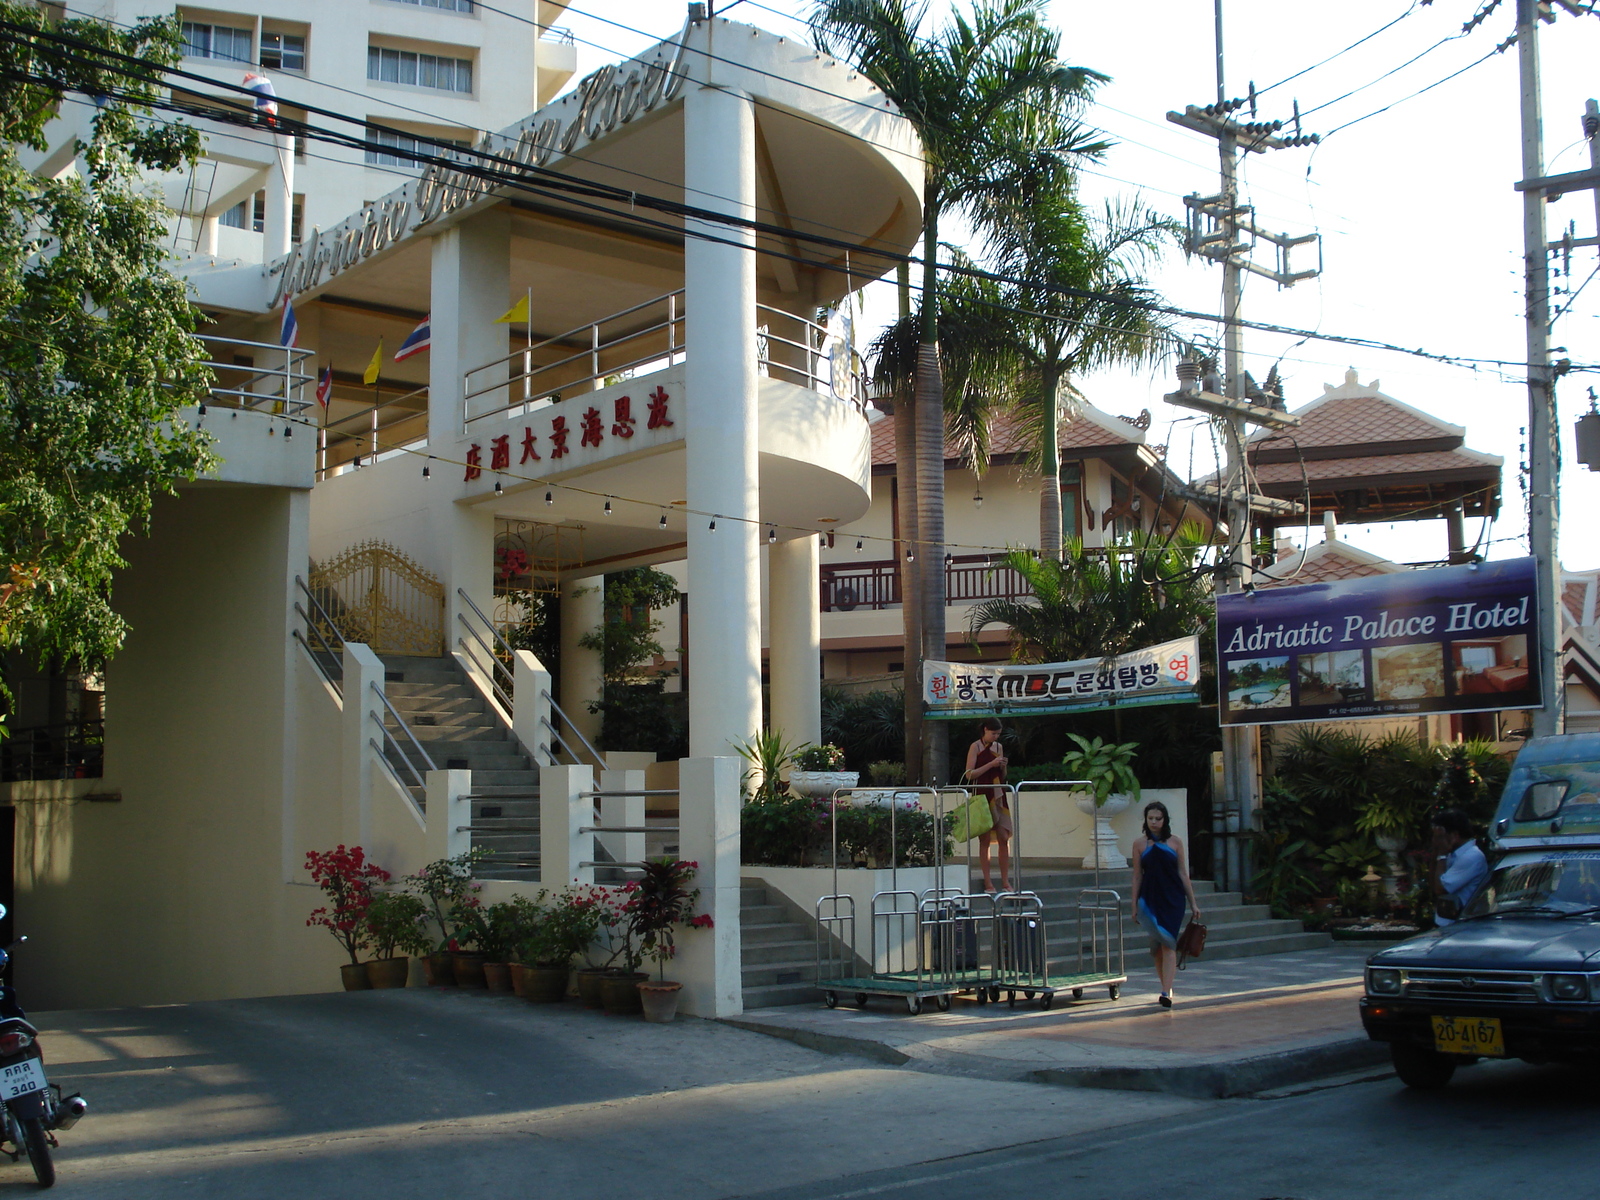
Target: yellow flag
<point>517,312</point>
<point>370,375</point>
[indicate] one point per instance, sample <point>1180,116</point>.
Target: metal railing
<point>876,585</point>
<point>321,638</point>
<point>258,376</point>
<point>562,35</point>
<point>646,337</point>
<point>394,755</point>
<point>382,426</point>
<point>69,750</point>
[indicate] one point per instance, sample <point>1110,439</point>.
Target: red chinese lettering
<point>529,454</point>
<point>593,427</point>
<point>474,463</point>
<point>558,437</point>
<point>658,410</point>
<point>622,412</point>
<point>500,458</point>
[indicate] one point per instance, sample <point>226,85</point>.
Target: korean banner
<point>1445,640</point>
<point>1164,674</point>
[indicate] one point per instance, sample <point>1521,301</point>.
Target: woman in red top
<point>986,768</point>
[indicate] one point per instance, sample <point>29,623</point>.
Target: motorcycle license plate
<point>1469,1035</point>
<point>21,1078</point>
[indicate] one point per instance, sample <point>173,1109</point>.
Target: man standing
<point>1462,866</point>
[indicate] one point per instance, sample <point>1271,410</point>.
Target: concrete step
<point>435,718</point>
<point>792,950</point>
<point>801,971</point>
<point>1278,943</point>
<point>444,692</point>
<point>511,793</point>
<point>763,914</point>
<point>776,995</point>
<point>486,736</point>
<point>761,935</point>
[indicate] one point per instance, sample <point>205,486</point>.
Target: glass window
<point>235,217</point>
<point>401,142</point>
<point>283,51</point>
<point>217,41</point>
<point>448,5</point>
<point>1071,498</point>
<point>419,70</point>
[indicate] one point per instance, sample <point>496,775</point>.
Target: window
<point>251,214</point>
<point>1071,498</point>
<point>402,142</point>
<point>419,70</point>
<point>219,41</point>
<point>283,51</point>
<point>448,5</point>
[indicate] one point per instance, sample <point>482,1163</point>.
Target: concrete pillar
<point>530,685</point>
<point>206,235</point>
<point>277,224</point>
<point>721,425</point>
<point>470,283</point>
<point>448,814</point>
<point>707,963</point>
<point>363,670</point>
<point>795,638</point>
<point>563,811</point>
<point>583,611</point>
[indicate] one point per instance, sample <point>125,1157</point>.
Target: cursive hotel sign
<point>604,101</point>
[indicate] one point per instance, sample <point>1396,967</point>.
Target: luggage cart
<point>898,968</point>
<point>1022,945</point>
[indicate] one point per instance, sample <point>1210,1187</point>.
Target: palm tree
<point>1079,302</point>
<point>1094,603</point>
<point>993,104</point>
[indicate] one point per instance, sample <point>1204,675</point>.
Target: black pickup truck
<point>1518,976</point>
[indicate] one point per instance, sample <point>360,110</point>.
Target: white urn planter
<point>821,783</point>
<point>1391,845</point>
<point>1103,852</point>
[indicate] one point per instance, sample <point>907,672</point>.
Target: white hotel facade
<point>661,397</point>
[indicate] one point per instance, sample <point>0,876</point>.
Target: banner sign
<point>1164,674</point>
<point>1446,640</point>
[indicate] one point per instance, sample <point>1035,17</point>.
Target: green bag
<point>972,819</point>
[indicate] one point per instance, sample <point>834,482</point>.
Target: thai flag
<point>289,334</point>
<point>266,96</point>
<point>416,341</point>
<point>325,386</point>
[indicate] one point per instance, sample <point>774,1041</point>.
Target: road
<point>421,1093</point>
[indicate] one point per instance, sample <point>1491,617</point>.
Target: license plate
<point>1469,1035</point>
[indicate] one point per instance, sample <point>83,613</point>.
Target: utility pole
<point>1544,451</point>
<point>1216,226</point>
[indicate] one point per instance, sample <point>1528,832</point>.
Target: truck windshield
<point>1559,886</point>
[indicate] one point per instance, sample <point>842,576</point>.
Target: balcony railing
<point>258,376</point>
<point>968,579</point>
<point>74,750</point>
<point>644,338</point>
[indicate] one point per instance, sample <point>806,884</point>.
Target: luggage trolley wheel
<point>983,995</point>
<point>1046,999</point>
<point>914,1004</point>
<point>1116,990</point>
<point>1077,994</point>
<point>994,995</point>
<point>944,1003</point>
<point>861,999</point>
<point>831,999</point>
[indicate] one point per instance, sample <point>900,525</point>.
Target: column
<point>795,638</point>
<point>708,960</point>
<point>720,425</point>
<point>583,611</point>
<point>471,281</point>
<point>277,223</point>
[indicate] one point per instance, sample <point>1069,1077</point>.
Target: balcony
<point>874,586</point>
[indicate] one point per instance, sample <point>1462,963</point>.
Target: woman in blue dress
<point>1160,885</point>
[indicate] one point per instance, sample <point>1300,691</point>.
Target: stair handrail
<point>420,780</point>
<point>506,694</point>
<point>326,647</point>
<point>497,666</point>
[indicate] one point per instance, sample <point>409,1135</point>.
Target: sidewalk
<point>1239,1026</point>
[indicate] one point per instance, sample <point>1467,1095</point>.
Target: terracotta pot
<point>354,976</point>
<point>545,985</point>
<point>660,1001</point>
<point>589,985</point>
<point>438,970</point>
<point>516,970</point>
<point>388,972</point>
<point>468,968</point>
<point>619,992</point>
<point>497,976</point>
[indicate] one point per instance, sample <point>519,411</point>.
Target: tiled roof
<point>1092,429</point>
<point>1324,563</point>
<point>1462,462</point>
<point>1356,414</point>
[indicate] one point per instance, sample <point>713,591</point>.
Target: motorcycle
<point>34,1108</point>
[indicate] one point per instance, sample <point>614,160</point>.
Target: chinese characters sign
<point>596,424</point>
<point>1450,639</point>
<point>1164,674</point>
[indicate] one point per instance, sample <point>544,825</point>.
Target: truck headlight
<point>1568,987</point>
<point>1383,981</point>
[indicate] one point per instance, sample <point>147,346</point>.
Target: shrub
<point>347,879</point>
<point>397,924</point>
<point>826,757</point>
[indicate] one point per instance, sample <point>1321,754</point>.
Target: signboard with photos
<point>1164,674</point>
<point>1444,640</point>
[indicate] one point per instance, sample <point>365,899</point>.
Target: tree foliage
<point>97,355</point>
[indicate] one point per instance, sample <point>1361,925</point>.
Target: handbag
<point>1191,942</point>
<point>972,819</point>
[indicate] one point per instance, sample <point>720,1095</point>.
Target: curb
<point>827,1043</point>
<point>1216,1080</point>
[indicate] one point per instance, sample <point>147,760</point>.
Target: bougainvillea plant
<point>659,901</point>
<point>347,879</point>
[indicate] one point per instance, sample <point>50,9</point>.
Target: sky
<point>1421,228</point>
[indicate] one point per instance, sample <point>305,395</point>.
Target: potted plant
<point>619,993</point>
<point>443,885</point>
<point>347,879</point>
<point>662,901</point>
<point>607,909</point>
<point>768,754</point>
<point>500,929</point>
<point>397,928</point>
<point>566,926</point>
<point>1107,769</point>
<point>819,771</point>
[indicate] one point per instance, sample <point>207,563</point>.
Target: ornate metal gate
<point>377,595</point>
